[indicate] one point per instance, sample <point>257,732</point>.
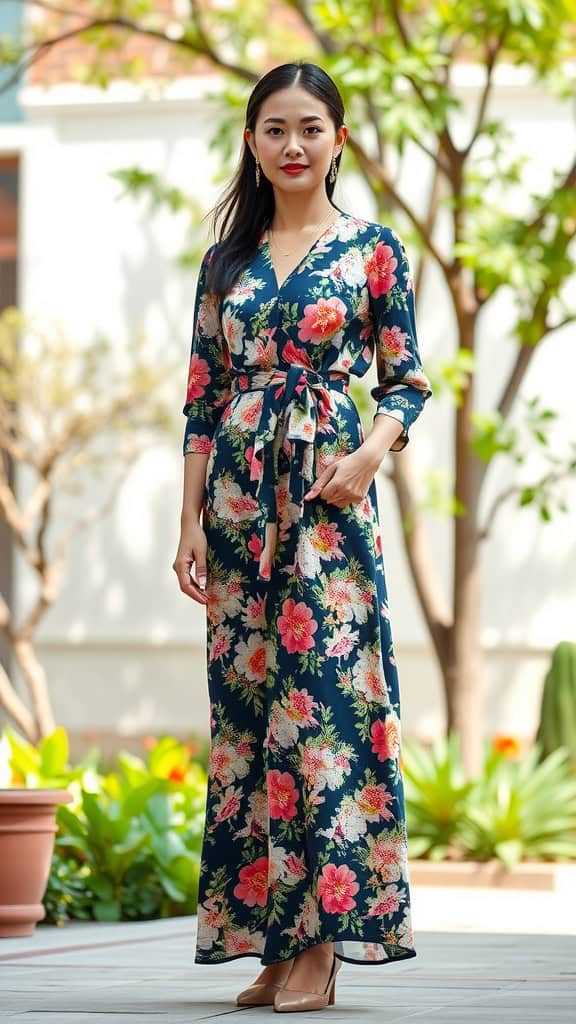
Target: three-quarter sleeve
<point>209,371</point>
<point>402,387</point>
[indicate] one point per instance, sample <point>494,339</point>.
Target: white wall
<point>122,646</point>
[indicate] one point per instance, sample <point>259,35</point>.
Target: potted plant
<point>33,784</point>
<point>27,832</point>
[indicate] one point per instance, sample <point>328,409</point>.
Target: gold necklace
<point>316,228</point>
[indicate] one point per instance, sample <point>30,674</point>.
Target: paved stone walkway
<point>128,973</point>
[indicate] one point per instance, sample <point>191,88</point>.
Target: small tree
<point>66,415</point>
<point>395,64</point>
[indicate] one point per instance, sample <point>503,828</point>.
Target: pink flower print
<point>373,802</point>
<point>255,612</point>
<point>255,546</point>
<point>296,626</point>
<point>221,761</point>
<point>313,762</point>
<point>213,914</point>
<point>198,377</point>
<point>248,412</point>
<point>265,348</point>
<point>300,705</point>
<point>386,901</point>
<point>252,888</point>
<point>244,748</point>
<point>242,941</point>
<point>221,643</point>
<point>200,443</point>
<point>326,538</point>
<point>380,267</point>
<point>295,865</point>
<point>321,319</point>
<point>282,794</point>
<point>298,356</point>
<point>336,887</point>
<point>232,504</point>
<point>385,737</point>
<point>341,761</point>
<point>386,856</point>
<point>234,586</point>
<point>229,804</point>
<point>343,642</point>
<point>393,345</point>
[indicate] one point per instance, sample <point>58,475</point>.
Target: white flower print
<point>231,503</point>
<point>342,642</point>
<point>368,676</point>
<point>250,660</point>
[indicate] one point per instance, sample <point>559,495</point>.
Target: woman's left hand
<point>345,481</point>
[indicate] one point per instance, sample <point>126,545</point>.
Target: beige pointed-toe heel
<point>261,993</point>
<point>258,995</point>
<point>287,1001</point>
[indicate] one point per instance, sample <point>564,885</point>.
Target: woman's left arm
<point>402,387</point>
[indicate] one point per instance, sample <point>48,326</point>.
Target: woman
<point>304,849</point>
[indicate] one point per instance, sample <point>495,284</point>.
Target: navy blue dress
<point>305,838</point>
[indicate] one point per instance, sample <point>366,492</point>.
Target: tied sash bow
<point>300,397</point>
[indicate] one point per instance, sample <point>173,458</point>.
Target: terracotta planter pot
<point>27,833</point>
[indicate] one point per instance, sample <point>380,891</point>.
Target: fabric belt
<point>300,397</point>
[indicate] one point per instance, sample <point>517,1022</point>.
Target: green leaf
<point>109,911</point>
<point>54,753</point>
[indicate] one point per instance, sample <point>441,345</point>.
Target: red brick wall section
<point>62,62</point>
<point>160,60</point>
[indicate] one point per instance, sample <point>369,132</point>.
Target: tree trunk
<point>35,679</point>
<point>463,669</point>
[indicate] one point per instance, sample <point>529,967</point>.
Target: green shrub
<point>522,810</point>
<point>517,809</point>
<point>436,796</point>
<point>128,846</point>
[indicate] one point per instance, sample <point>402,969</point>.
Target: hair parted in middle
<point>247,209</point>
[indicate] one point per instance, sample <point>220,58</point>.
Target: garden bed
<point>532,876</point>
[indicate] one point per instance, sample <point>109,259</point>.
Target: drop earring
<point>257,173</point>
<point>333,170</point>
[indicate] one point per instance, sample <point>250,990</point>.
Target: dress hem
<point>408,954</point>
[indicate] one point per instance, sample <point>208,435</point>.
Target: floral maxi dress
<point>304,838</point>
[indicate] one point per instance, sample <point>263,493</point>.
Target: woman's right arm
<point>208,390</point>
<point>192,546</point>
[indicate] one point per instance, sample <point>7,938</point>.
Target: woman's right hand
<point>192,551</point>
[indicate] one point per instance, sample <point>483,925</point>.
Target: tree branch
<point>493,48</point>
<point>375,171</point>
<point>434,607</point>
<point>512,491</point>
<point>322,38</point>
<point>125,24</point>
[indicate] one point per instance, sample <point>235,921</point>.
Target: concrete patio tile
<point>145,972</point>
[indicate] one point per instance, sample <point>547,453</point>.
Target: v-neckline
<point>266,241</point>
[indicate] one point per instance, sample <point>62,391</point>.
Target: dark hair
<point>245,211</point>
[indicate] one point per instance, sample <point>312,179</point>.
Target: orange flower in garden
<point>178,773</point>
<point>509,746</point>
<point>149,742</point>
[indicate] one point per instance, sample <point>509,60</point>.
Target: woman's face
<point>294,127</point>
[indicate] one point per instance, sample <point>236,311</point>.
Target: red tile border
<point>32,953</point>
